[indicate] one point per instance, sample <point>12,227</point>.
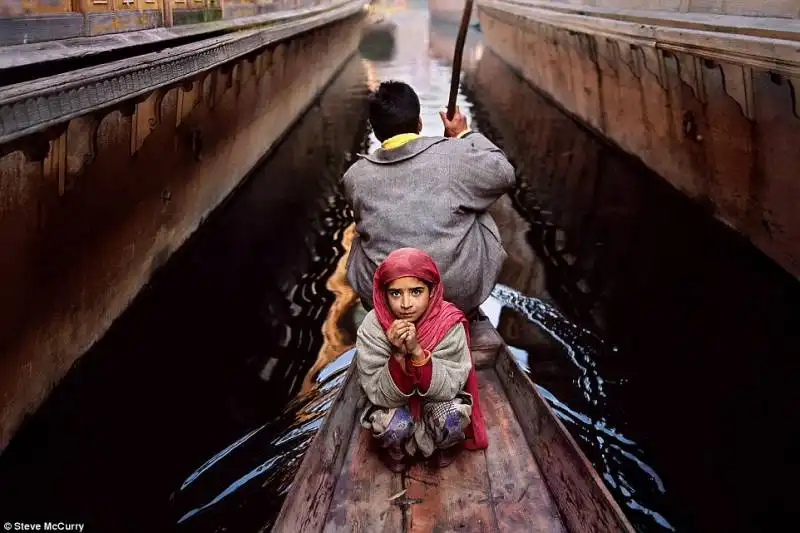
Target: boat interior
<point>532,476</point>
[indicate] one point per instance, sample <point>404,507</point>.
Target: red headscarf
<point>434,324</point>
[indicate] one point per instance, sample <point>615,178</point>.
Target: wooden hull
<point>533,476</point>
<point>382,27</point>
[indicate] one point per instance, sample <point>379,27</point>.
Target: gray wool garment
<point>431,193</point>
<point>450,361</point>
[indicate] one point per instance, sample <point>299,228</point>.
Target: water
<point>661,337</point>
<point>662,340</point>
<point>423,59</point>
<point>206,359</point>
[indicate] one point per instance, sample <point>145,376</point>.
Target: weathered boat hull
<point>378,40</point>
<point>179,131</point>
<point>706,94</point>
<point>533,476</point>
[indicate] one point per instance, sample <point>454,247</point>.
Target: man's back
<point>431,193</point>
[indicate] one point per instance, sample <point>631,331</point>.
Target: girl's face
<point>408,298</point>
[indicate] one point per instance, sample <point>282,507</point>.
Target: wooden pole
<point>459,53</point>
<point>166,10</point>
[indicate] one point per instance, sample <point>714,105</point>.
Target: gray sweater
<point>431,193</point>
<point>450,362</point>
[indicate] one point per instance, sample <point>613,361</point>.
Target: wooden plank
<point>455,498</point>
<point>254,38</point>
<point>761,26</point>
<point>14,8</point>
<point>30,107</point>
<point>777,52</point>
<point>121,21</point>
<point>308,500</point>
<point>585,504</point>
<point>751,8</point>
<point>71,44</point>
<point>485,343</point>
<point>32,28</point>
<point>361,498</point>
<point>521,499</point>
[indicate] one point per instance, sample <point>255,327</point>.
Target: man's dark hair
<point>393,109</point>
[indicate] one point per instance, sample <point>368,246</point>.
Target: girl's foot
<point>446,456</point>
<point>395,464</point>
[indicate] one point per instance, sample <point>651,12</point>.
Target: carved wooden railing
<point>45,107</point>
<point>28,21</point>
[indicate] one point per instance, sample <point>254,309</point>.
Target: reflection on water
<point>199,370</point>
<point>616,457</point>
<point>442,43</point>
<point>562,350</point>
<point>416,63</point>
<point>640,320</point>
<point>255,472</point>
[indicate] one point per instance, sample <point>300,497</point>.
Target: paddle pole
<point>459,52</point>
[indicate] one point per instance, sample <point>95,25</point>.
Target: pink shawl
<point>438,319</point>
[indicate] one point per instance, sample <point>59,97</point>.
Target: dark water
<point>207,356</point>
<point>671,362</point>
<point>665,342</point>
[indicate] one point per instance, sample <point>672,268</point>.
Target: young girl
<point>414,365</point>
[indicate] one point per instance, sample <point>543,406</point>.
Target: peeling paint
<point>738,83</point>
<point>706,141</point>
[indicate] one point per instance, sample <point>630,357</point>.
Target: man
<point>430,193</point>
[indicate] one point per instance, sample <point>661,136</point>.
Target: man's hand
<point>452,128</point>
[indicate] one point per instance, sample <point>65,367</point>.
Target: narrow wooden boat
<point>533,476</point>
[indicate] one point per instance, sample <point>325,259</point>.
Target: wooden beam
<point>362,500</point>
<point>306,506</point>
<point>683,17</point>
<point>30,107</point>
<point>519,493</point>
<point>82,47</point>
<point>744,45</point>
<point>485,344</point>
<point>585,503</point>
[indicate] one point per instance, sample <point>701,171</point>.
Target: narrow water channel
<point>664,341</point>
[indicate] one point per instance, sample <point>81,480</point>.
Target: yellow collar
<point>398,140</point>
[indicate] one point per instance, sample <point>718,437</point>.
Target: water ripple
<point>612,453</point>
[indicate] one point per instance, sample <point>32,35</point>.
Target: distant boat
<point>450,11</point>
<point>378,38</point>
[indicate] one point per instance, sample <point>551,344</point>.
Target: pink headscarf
<point>434,324</point>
